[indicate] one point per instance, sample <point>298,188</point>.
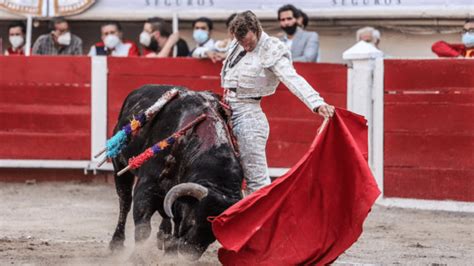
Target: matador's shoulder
<point>272,50</point>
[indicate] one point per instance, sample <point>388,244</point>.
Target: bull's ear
<point>184,189</point>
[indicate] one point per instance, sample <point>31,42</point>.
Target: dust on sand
<point>72,223</point>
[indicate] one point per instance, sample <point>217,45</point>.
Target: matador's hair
<point>243,23</point>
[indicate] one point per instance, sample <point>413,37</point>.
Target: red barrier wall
<point>45,108</point>
<point>45,102</point>
<point>429,104</point>
<point>429,133</point>
<point>292,125</point>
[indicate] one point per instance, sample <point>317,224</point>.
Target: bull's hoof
<point>190,252</point>
<point>137,258</point>
<point>161,238</point>
<point>164,240</point>
<point>160,244</point>
<point>116,245</point>
<point>171,246</point>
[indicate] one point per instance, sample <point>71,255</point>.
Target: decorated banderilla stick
<point>137,161</point>
<point>115,144</point>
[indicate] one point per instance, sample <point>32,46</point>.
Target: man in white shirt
<point>369,35</point>
<point>202,30</point>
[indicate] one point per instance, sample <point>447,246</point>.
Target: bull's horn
<point>185,189</point>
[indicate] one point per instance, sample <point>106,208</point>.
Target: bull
<point>198,177</point>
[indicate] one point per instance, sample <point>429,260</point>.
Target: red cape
<point>313,213</point>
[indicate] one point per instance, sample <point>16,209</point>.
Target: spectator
<point>16,36</point>
<point>112,42</point>
<point>304,45</point>
<point>223,45</point>
<point>302,20</point>
<point>369,35</point>
<point>202,29</point>
<point>464,49</point>
<point>59,42</point>
<point>147,40</point>
<point>159,40</point>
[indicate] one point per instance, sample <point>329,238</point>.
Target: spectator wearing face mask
<point>59,42</point>
<point>202,29</point>
<point>16,36</point>
<point>304,45</point>
<point>112,43</point>
<point>369,35</point>
<point>158,39</point>
<point>464,49</point>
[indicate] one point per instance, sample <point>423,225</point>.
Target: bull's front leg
<point>164,233</point>
<point>144,206</point>
<point>124,186</point>
<point>166,240</point>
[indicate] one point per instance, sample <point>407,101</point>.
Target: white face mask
<point>145,38</point>
<point>64,39</point>
<point>111,41</point>
<point>16,41</point>
<point>468,39</point>
<point>200,36</point>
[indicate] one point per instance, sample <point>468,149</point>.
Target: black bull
<point>202,163</point>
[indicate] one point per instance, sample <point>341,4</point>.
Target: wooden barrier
<point>46,105</point>
<point>429,133</point>
<point>292,125</point>
<point>45,108</point>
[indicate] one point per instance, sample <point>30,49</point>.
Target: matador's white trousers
<point>250,127</point>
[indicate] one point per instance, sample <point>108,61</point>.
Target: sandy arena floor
<point>71,224</point>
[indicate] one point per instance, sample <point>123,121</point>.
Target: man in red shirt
<point>113,43</point>
<point>16,36</point>
<point>464,49</point>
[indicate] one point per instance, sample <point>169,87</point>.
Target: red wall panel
<point>292,125</point>
<point>406,75</point>
<point>45,108</point>
<point>45,102</point>
<point>429,134</point>
<point>429,183</point>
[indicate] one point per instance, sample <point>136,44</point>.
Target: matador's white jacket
<point>259,72</point>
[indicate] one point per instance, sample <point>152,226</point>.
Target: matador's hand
<point>325,110</point>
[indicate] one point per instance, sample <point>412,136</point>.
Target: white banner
<point>266,9</point>
<point>141,9</point>
<point>180,5</point>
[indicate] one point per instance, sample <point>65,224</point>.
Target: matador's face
<point>249,42</point>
